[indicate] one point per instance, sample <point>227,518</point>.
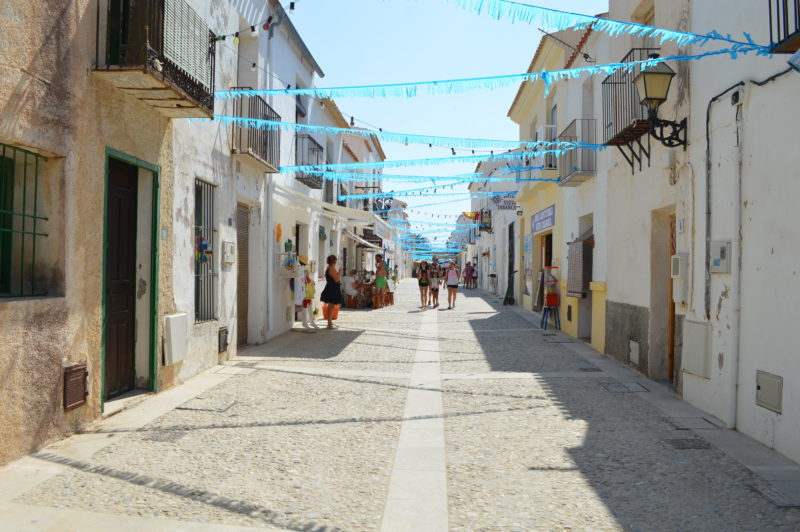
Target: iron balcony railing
<point>624,118</point>
<point>166,37</point>
<point>263,144</point>
<point>578,161</point>
<point>342,192</point>
<point>784,26</point>
<point>308,152</point>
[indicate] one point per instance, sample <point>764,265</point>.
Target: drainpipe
<point>736,299</point>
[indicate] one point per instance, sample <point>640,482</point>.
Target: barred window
<point>21,224</point>
<point>205,308</point>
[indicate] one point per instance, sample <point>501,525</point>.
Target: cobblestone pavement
<point>470,419</point>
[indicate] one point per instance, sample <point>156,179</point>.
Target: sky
<point>389,41</point>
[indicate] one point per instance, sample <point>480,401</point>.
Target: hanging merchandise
<point>278,232</point>
<point>456,86</point>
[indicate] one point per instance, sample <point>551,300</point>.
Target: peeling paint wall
<point>51,102</point>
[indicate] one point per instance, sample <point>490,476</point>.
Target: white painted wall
<point>761,136</point>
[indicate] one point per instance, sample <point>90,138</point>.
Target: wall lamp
<point>652,84</point>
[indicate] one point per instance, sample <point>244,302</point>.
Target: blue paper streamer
<point>399,138</point>
<point>557,20</point>
<point>456,86</point>
<point>425,162</point>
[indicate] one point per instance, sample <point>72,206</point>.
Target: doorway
<point>243,271</point>
<point>671,312</point>
<point>129,276</point>
<point>120,273</point>
<point>511,260</point>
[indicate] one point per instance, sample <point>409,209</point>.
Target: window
<point>21,225</point>
<point>205,308</point>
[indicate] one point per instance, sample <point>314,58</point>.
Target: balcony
<point>308,152</point>
<point>161,52</point>
<point>784,26</point>
<point>577,165</point>
<point>342,192</point>
<point>261,144</point>
<point>625,120</point>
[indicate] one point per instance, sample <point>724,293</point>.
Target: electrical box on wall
<point>228,253</point>
<point>720,256</point>
<point>769,391</point>
<point>679,265</point>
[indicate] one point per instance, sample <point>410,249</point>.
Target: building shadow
<point>266,516</point>
<point>648,473</point>
<point>319,345</point>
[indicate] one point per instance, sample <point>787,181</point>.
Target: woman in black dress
<point>332,294</point>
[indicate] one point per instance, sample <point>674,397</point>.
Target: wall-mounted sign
<point>544,219</point>
<point>504,203</point>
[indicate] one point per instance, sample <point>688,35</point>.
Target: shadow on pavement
<point>254,511</point>
<point>320,345</point>
<point>627,454</point>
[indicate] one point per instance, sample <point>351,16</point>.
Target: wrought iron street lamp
<point>652,84</point>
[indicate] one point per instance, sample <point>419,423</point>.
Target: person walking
<point>436,281</point>
<point>424,279</point>
<point>468,276</point>
<point>381,280</point>
<point>451,279</point>
<point>332,294</point>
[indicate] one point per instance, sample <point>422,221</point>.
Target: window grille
<point>20,222</point>
<point>205,308</point>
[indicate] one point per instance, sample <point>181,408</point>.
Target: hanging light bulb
<point>236,39</point>
<point>352,121</point>
<point>253,32</point>
<point>253,67</point>
<point>267,23</point>
<point>291,6</point>
<point>453,150</point>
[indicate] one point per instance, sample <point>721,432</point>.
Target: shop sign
<point>544,219</point>
<point>505,202</point>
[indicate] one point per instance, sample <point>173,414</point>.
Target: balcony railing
<point>624,118</point>
<point>342,192</point>
<point>308,152</point>
<point>577,165</point>
<point>161,51</point>
<point>262,144</point>
<point>784,26</point>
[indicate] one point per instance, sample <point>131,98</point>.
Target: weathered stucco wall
<point>50,102</point>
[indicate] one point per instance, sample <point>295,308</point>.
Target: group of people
<point>332,295</point>
<point>370,289</point>
<point>430,278</point>
<point>470,276</point>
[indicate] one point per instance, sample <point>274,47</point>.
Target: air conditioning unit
<point>679,265</point>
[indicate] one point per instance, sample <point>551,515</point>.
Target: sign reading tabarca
<point>505,202</point>
<point>544,219</point>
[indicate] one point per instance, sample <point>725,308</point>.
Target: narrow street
<point>402,420</point>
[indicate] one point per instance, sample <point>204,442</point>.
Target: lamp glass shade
<point>794,61</point>
<point>653,83</point>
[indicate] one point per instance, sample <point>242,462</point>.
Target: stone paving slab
<point>295,451</point>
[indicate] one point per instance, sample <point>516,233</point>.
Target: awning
<point>365,243</point>
<point>354,216</point>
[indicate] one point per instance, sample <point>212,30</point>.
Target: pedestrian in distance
<point>475,276</point>
<point>468,276</point>
<point>423,279</point>
<point>451,279</point>
<point>332,294</point>
<point>381,280</point>
<point>435,283</point>
<point>304,294</point>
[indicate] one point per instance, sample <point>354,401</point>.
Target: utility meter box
<point>228,252</point>
<point>679,265</point>
<point>720,256</point>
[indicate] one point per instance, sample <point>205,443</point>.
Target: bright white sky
<point>358,42</point>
